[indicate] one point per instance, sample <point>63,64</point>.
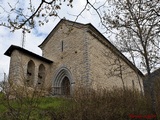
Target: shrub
<point>105,105</point>
<point>101,104</point>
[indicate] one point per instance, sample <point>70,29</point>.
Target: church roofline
<point>71,23</point>
<point>14,47</point>
<point>91,28</point>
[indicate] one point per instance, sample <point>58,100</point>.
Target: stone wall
<point>108,70</point>
<point>90,62</point>
<point>18,69</point>
<point>67,49</point>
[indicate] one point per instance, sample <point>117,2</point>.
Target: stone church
<point>73,55</point>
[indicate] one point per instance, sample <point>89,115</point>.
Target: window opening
<point>30,73</point>
<point>41,76</point>
<point>62,46</point>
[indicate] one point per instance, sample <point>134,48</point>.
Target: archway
<point>41,76</point>
<point>30,74</point>
<point>63,82</point>
<point>65,86</point>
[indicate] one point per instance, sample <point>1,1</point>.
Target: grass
<point>92,105</point>
<point>37,108</point>
<point>50,102</point>
<point>2,107</point>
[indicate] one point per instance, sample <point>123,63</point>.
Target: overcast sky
<point>36,37</point>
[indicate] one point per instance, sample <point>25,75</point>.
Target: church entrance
<point>63,83</point>
<point>65,86</point>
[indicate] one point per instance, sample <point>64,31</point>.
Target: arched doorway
<point>65,86</point>
<point>63,82</point>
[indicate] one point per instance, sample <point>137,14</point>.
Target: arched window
<point>30,73</point>
<point>41,76</point>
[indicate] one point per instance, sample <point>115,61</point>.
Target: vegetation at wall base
<point>84,105</point>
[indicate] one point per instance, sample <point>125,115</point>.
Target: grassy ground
<point>100,105</point>
<point>38,108</point>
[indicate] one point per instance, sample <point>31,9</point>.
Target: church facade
<point>73,55</point>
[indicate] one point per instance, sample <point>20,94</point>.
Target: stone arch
<point>63,82</point>
<point>30,73</point>
<point>41,76</point>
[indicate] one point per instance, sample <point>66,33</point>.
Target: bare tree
<point>137,29</point>
<point>3,83</point>
<point>19,17</point>
<point>29,16</point>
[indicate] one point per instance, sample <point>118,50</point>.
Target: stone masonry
<point>73,55</point>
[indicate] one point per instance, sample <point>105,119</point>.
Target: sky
<point>38,34</point>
